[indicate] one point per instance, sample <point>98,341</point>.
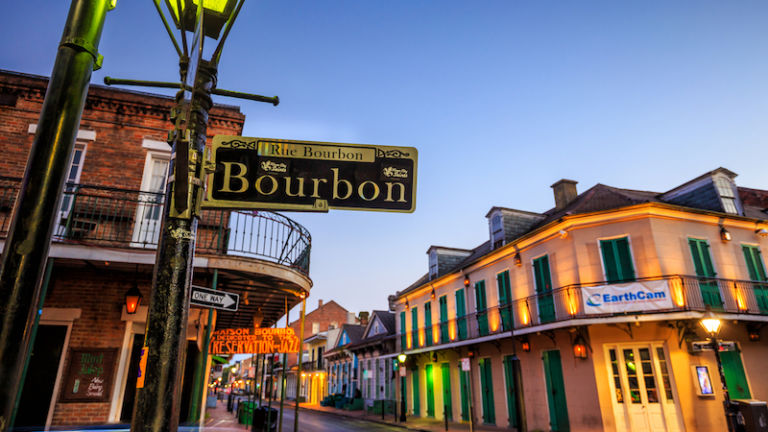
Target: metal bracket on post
<point>84,44</point>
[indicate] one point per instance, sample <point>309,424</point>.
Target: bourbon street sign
<point>264,173</point>
<point>254,341</point>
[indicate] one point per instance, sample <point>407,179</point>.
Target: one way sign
<point>216,299</point>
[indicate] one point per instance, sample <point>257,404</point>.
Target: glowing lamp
<point>725,235</point>
<point>216,13</point>
<point>526,344</point>
<point>466,281</point>
<point>754,335</point>
<point>711,324</point>
<point>432,294</point>
<point>580,350</point>
<point>401,358</point>
<point>132,299</point>
<point>518,259</point>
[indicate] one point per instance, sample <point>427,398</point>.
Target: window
<point>756,270</point>
<point>428,322</point>
<point>151,198</point>
<point>480,305</point>
<point>315,328</point>
<point>70,184</point>
<point>727,196</point>
<point>444,319</point>
<point>433,265</point>
<point>543,280</point>
<point>403,337</point>
<point>497,231</point>
<point>505,300</point>
<point>415,326</point>
<point>617,260</point>
<point>705,270</point>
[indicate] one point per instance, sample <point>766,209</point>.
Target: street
<point>222,421</point>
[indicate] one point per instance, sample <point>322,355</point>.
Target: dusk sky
<point>501,98</point>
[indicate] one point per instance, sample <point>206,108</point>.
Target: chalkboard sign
<point>89,376</point>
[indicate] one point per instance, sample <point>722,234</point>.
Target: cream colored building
<point>587,317</point>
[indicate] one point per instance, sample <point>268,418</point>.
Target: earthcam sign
<point>627,297</point>
<point>264,173</point>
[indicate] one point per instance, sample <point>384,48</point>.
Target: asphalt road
<point>310,421</point>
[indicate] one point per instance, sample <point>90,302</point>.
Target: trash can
<point>751,415</point>
<point>260,419</point>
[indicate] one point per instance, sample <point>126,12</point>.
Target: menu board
<point>89,375</point>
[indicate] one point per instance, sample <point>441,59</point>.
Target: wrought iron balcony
<point>575,302</point>
<point>124,218</point>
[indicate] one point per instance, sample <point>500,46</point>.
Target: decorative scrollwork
<point>391,153</point>
<point>238,144</point>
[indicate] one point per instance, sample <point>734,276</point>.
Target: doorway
<point>558,408</point>
<point>643,394</point>
<point>37,392</point>
<point>126,413</point>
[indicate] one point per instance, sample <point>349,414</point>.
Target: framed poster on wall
<point>704,385</point>
<point>89,375</point>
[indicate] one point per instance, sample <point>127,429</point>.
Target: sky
<point>501,99</point>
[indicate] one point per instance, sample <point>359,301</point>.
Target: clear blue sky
<point>502,99</point>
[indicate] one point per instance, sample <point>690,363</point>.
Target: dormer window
<point>497,230</point>
<point>433,265</point>
<point>727,195</point>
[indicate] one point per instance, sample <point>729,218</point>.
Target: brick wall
<point>324,315</point>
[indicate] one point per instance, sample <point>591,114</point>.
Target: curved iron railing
<point>124,218</point>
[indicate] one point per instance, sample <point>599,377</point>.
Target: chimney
<point>565,193</point>
<point>319,303</point>
<point>363,318</point>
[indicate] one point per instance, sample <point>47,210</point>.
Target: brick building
<point>104,241</point>
<point>326,316</point>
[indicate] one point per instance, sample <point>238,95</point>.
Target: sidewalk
<point>220,420</point>
<point>411,423</point>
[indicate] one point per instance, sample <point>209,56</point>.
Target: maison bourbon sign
<point>254,341</point>
<point>263,173</point>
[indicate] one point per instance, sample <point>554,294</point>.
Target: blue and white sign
<point>627,297</point>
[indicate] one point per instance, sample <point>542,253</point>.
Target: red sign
<point>254,341</point>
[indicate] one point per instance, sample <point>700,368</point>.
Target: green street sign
<point>275,174</point>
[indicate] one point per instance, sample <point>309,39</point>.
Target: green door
<point>617,260</point>
<point>558,410</point>
<point>461,311</point>
<point>444,319</point>
<point>756,270</point>
<point>447,403</point>
<point>428,323</point>
<point>505,300</point>
<point>482,314</point>
<point>415,327</point>
<point>430,391</point>
<point>464,385</point>
<point>735,378</point>
<point>544,289</point>
<point>416,403</point>
<point>702,262</point>
<point>486,388</point>
<point>509,380</point>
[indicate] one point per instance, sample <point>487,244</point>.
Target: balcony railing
<point>124,218</point>
<point>680,293</point>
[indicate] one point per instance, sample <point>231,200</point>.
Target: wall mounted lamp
<point>518,259</point>
<point>466,281</point>
<point>133,299</point>
<point>725,235</point>
<point>525,344</point>
<point>579,348</point>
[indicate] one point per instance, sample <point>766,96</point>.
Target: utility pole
<point>29,237</point>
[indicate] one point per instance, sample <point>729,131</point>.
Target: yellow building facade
<point>587,317</point>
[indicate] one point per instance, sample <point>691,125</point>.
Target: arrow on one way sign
<point>216,299</point>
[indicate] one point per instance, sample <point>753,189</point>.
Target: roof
<point>601,197</point>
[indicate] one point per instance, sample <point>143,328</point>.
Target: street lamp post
<point>712,326</point>
<point>29,237</point>
<point>401,359</point>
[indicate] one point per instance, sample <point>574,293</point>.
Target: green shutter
<point>735,378</point>
<point>509,380</point>
<point>415,327</point>
<point>480,303</point>
<point>546,304</point>
<point>461,311</point>
<point>444,338</point>
<point>486,388</point>
<point>756,270</point>
<point>464,386</point>
<point>447,402</point>
<point>430,391</point>
<point>505,300</point>
<point>617,260</point>
<point>558,408</point>
<point>702,262</point>
<point>428,323</point>
<point>416,401</point>
<point>403,338</point>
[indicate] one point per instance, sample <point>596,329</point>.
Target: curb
<point>338,414</point>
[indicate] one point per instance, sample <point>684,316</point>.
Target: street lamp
<point>215,14</point>
<point>133,299</point>
<point>712,325</point>
<point>401,359</point>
